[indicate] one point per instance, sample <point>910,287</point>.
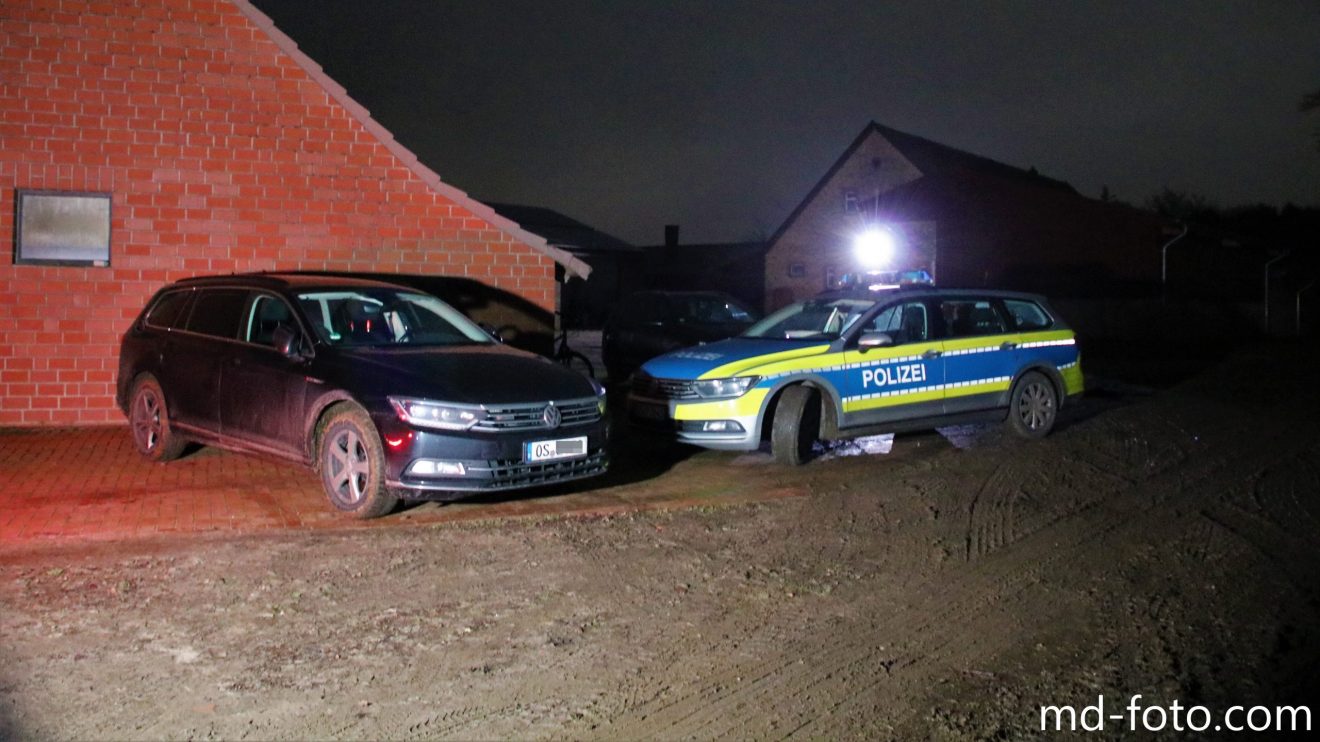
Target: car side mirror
<point>870,340</point>
<point>285,340</point>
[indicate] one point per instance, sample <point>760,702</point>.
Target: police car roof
<point>919,290</point>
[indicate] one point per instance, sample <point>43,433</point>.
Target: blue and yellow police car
<point>856,362</point>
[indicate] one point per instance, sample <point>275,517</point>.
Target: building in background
<point>735,268</point>
<point>616,266</point>
<point>148,141</point>
<point>966,219</point>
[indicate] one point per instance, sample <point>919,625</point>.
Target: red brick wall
<point>222,155</point>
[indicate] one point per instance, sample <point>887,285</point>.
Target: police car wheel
<point>1033,406</point>
<point>796,425</point>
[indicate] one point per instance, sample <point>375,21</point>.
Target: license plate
<point>564,448</point>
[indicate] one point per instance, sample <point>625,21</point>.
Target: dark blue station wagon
<point>387,392</point>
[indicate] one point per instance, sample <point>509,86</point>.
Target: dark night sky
<point>720,115</point>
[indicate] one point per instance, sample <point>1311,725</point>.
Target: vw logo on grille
<point>551,416</point>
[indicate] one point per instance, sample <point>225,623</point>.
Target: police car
<point>859,362</point>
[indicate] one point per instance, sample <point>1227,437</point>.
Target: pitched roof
<point>562,231</point>
<point>931,158</point>
<point>337,92</point>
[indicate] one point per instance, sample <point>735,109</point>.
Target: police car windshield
<point>373,317</point>
<point>811,320</point>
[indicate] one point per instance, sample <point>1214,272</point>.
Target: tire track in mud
<point>990,515</point>
<point>1273,519</point>
<point>815,675</point>
<point>445,723</point>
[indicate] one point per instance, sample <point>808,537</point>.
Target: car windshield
<point>382,317</point>
<point>711,310</point>
<point>811,320</point>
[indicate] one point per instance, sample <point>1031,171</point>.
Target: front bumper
<point>687,421</point>
<point>490,462</point>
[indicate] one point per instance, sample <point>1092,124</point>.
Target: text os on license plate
<point>563,448</point>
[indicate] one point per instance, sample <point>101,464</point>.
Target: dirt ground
<point>1159,543</point>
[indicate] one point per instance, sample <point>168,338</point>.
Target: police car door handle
<point>932,353</point>
<point>1008,345</point>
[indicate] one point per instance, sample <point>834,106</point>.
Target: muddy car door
<point>263,391</point>
<point>192,360</point>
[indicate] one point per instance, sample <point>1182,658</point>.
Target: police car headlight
<point>428,414</point>
<point>725,388</point>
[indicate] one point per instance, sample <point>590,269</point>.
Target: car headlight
<point>599,388</point>
<point>724,388</point>
<point>443,415</point>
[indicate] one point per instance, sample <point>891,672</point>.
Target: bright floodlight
<point>874,248</point>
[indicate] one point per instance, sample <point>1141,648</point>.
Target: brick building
<point>218,147</point>
<point>968,220</point>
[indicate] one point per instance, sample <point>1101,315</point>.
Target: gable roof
<point>932,159</point>
<point>562,231</point>
<point>339,94</point>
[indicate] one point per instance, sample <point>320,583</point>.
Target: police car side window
<point>905,323</point>
<point>971,317</point>
<point>1027,315</point>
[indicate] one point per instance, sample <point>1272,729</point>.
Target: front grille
<point>501,418</point>
<point>652,388</point>
<point>511,473</point>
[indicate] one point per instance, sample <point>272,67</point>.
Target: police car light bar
<point>880,280</point>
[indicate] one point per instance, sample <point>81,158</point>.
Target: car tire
<point>149,421</point>
<point>796,425</point>
<point>351,462</point>
<point>1033,406</point>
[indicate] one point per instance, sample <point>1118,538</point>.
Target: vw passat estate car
<point>860,362</point>
<point>387,392</point>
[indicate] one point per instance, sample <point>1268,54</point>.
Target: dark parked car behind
<point>651,323</point>
<point>388,392</point>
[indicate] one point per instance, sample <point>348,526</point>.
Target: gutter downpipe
<point>1164,263</point>
<point>1269,264</point>
<point>1303,290</point>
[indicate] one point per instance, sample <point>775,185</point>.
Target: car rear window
<point>218,312</point>
<point>1028,315</point>
<point>168,310</point>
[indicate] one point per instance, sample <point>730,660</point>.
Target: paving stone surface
<point>66,486</point>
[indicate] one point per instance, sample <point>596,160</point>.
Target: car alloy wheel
<point>352,463</point>
<point>1034,407</point>
<point>348,471</point>
<point>149,421</point>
